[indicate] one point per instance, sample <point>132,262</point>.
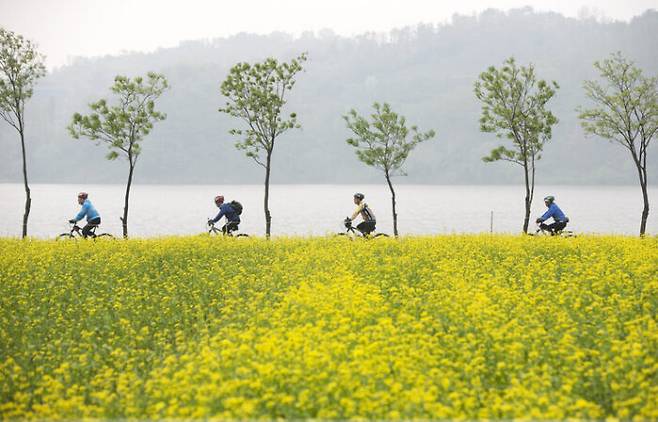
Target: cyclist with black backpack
<point>231,211</point>
<point>369,222</point>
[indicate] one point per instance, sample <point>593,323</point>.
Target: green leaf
<point>256,95</point>
<point>383,141</point>
<point>122,126</point>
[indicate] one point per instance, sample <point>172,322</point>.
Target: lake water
<point>157,210</point>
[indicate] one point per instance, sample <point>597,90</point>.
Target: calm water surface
<point>157,210</point>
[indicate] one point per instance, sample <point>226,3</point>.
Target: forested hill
<point>425,72</point>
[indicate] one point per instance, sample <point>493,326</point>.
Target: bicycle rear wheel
<point>242,235</point>
<point>104,236</point>
<point>381,235</point>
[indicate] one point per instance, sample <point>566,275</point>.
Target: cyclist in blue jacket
<point>89,211</point>
<point>559,219</point>
<point>226,210</point>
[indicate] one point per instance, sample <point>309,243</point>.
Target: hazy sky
<point>68,28</point>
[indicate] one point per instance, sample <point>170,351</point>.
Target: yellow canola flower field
<point>464,327</point>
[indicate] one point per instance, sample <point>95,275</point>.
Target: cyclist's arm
<point>357,211</point>
<point>83,212</point>
<point>219,216</point>
<point>548,214</point>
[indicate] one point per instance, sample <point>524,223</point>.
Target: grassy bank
<point>436,327</point>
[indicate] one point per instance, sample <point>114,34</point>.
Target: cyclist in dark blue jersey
<point>559,219</point>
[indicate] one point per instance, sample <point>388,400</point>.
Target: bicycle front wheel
<point>65,236</point>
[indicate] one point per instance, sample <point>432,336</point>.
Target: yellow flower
<point>448,327</point>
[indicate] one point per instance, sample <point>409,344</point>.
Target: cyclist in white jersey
<point>367,226</point>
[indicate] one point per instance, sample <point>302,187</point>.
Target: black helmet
<point>359,196</point>
<point>549,198</point>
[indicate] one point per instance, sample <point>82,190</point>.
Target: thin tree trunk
<point>645,198</point>
<point>268,216</point>
<point>28,198</point>
<point>124,219</point>
<point>528,199</point>
<point>532,180</point>
<point>395,215</point>
<point>645,211</point>
<point>642,173</point>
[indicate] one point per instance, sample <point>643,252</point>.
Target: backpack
<point>237,207</point>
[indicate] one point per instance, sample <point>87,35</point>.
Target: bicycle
<point>352,231</point>
<point>559,233</point>
<point>76,232</point>
<point>214,231</point>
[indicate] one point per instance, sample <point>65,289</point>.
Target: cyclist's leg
<point>94,222</point>
<point>559,226</point>
<point>366,227</point>
<point>230,227</point>
<point>555,227</point>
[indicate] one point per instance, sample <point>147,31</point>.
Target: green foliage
<point>124,125</point>
<point>256,94</point>
<point>626,108</point>
<point>514,107</point>
<point>20,66</point>
<point>383,142</point>
<point>625,112</point>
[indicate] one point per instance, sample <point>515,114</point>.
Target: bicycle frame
<point>357,233</point>
<point>76,232</point>
<point>214,230</point>
<point>75,229</point>
<point>351,229</point>
<point>560,233</point>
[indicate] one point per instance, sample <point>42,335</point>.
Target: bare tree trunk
<point>642,173</point>
<point>124,219</point>
<point>532,180</point>
<point>268,216</point>
<point>645,211</point>
<point>28,198</point>
<point>645,198</point>
<point>528,198</point>
<point>395,214</point>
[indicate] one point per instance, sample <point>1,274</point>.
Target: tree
<point>122,127</point>
<point>20,67</point>
<point>383,144</point>
<point>256,94</point>
<point>625,112</point>
<point>514,107</point>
